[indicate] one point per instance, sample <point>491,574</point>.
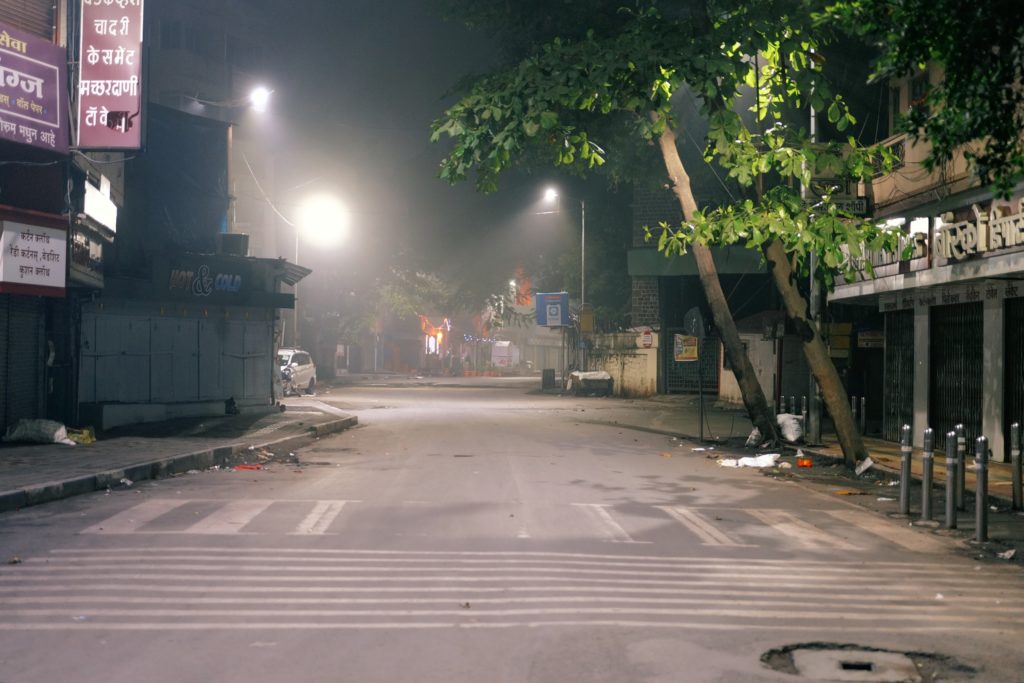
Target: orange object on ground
<point>804,462</point>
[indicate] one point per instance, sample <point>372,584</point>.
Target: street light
<point>551,195</point>
<point>324,221</point>
<point>259,98</point>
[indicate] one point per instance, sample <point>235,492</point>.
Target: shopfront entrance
<point>957,346</point>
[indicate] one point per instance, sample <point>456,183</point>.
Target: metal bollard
<point>853,408</point>
<point>951,479</point>
<point>961,466</point>
<point>803,412</point>
<point>863,415</point>
<point>905,452</point>
<point>1015,465</point>
<point>981,489</point>
<point>792,405</point>
<point>927,463</point>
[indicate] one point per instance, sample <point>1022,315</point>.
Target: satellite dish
<point>693,323</point>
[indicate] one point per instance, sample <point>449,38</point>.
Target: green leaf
<point>833,113</point>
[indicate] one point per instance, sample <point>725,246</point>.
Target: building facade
<point>951,315</point>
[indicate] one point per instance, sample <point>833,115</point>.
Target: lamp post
<point>551,195</point>
<point>324,220</point>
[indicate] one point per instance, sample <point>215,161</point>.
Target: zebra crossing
<point>201,587</point>
<point>722,528</point>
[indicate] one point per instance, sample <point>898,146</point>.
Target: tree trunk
<point>832,391</point>
<point>750,388</point>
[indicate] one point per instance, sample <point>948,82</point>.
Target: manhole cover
<point>853,665</point>
<point>846,662</point>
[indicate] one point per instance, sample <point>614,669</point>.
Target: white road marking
<point>916,541</point>
<point>350,554</point>
<point>842,629</point>
<point>804,533</point>
<point>230,518</point>
<point>707,532</point>
<point>773,615</point>
<point>317,521</point>
<point>788,602</point>
<point>914,594</point>
<point>612,529</point>
<point>130,520</point>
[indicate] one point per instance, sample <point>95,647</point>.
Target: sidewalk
<point>37,473</point>
<point>886,455</point>
<point>676,415</point>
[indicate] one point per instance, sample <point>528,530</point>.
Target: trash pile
<point>766,460</point>
<point>791,427</point>
<point>258,458</point>
<point>38,431</point>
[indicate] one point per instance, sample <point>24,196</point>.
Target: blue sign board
<point>553,309</point>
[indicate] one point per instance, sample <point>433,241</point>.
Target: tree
<point>548,103</point>
<point>718,49</point>
<point>978,105</point>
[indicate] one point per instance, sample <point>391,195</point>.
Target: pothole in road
<point>847,662</point>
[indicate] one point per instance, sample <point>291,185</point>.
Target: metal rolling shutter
<point>898,392</point>
<point>21,325</point>
<point>957,348</point>
<point>1013,367</point>
<point>31,16</point>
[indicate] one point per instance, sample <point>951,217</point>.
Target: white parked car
<point>298,373</point>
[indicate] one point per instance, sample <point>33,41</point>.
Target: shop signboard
<point>32,259</point>
<point>553,309</point>
<point>110,81</point>
<point>33,91</point>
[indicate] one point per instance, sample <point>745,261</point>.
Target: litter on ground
<point>864,465</point>
<point>766,460</point>
<point>38,431</point>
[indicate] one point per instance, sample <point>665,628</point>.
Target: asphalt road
<point>482,534</point>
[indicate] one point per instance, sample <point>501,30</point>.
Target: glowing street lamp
<point>323,220</point>
<point>551,195</point>
<point>259,98</point>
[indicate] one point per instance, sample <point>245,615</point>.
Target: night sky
<point>355,94</point>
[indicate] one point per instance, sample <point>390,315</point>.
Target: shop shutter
<point>22,359</point>
<point>898,392</point>
<point>957,349</point>
<point>1014,366</point>
<point>31,16</point>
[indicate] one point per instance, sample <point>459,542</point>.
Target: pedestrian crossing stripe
<point>703,528</point>
<point>157,516</point>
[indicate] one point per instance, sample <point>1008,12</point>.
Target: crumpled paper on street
<point>766,460</point>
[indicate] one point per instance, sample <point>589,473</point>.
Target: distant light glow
<point>324,220</point>
<point>259,98</point>
<point>550,194</point>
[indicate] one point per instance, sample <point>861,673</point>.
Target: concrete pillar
<point>992,376</point>
<point>922,372</point>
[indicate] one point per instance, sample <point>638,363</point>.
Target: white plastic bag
<point>38,431</point>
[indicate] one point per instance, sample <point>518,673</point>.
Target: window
<point>919,87</point>
<point>895,107</point>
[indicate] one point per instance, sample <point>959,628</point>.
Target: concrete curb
<point>156,469</point>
